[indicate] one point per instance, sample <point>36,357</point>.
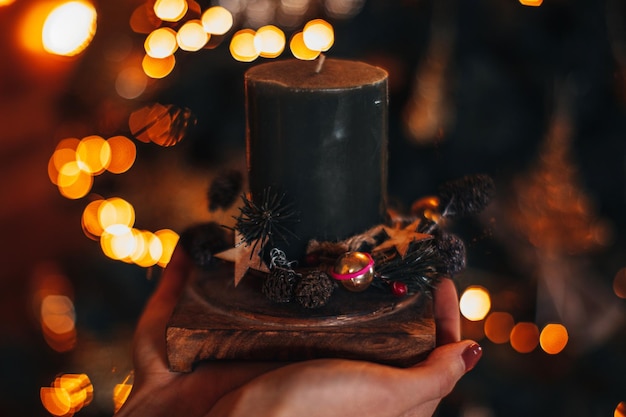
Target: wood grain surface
<point>214,320</point>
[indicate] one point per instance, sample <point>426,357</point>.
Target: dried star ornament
<point>244,256</point>
<point>401,239</point>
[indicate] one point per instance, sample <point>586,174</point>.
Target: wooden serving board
<point>214,320</point>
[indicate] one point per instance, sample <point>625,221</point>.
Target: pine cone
<point>279,285</point>
<point>452,251</point>
<point>224,190</point>
<point>466,196</point>
<point>314,289</point>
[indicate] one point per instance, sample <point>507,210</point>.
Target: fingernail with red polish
<point>471,355</point>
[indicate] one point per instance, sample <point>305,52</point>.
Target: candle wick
<point>320,63</point>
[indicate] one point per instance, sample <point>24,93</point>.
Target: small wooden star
<point>244,256</point>
<point>401,239</point>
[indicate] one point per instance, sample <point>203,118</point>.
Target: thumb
<point>445,366</point>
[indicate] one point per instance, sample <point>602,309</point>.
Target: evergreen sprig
<point>419,269</point>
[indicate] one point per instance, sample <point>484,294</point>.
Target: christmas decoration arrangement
<point>405,255</point>
<point>315,263</point>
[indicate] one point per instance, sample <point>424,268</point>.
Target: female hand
<point>335,387</point>
<point>157,391</point>
<point>325,387</point>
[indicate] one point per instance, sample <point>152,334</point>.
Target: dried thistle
<point>266,222</point>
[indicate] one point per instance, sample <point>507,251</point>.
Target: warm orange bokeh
<point>498,326</point>
<point>318,35</point>
<point>475,303</point>
<point>300,50</point>
<point>170,10</point>
<point>123,154</point>
<point>68,394</point>
<point>217,20</point>
<point>553,338</point>
<point>161,43</point>
<point>191,36</point>
<point>69,28</point>
<point>524,337</point>
<point>242,46</point>
<point>269,41</point>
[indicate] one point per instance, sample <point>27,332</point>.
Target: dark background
<point>533,96</point>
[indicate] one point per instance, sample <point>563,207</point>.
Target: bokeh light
<point>534,3</point>
<point>111,221</point>
<point>93,154</point>
<point>158,67</point>
<point>475,303</point>
<point>343,9</point>
<point>122,390</point>
<point>67,395</point>
<point>191,36</point>
<point>56,401</point>
<point>620,410</point>
<point>57,313</point>
<point>217,20</point>
<point>90,220</point>
<point>131,245</point>
<point>143,20</point>
<point>164,125</point>
<point>498,327</point>
<point>299,48</point>
<point>75,162</point>
<point>553,338</point>
<point>123,154</point>
<point>69,28</point>
<point>619,283</point>
<point>131,82</point>
<point>6,2</point>
<point>524,337</point>
<point>148,249</point>
<point>269,41</point>
<point>73,182</point>
<point>169,239</point>
<point>64,153</point>
<point>116,211</point>
<point>161,43</point>
<point>170,10</point>
<point>318,35</point>
<point>242,46</point>
<point>118,242</point>
<point>58,322</point>
<point>53,306</point>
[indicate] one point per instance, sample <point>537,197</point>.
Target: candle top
<point>334,74</point>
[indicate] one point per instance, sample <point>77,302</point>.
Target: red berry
<point>399,289</point>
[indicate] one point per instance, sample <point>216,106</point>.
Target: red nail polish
<point>471,355</point>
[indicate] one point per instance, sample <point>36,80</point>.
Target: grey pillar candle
<point>319,139</point>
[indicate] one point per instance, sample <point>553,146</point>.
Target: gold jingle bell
<point>355,270</point>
